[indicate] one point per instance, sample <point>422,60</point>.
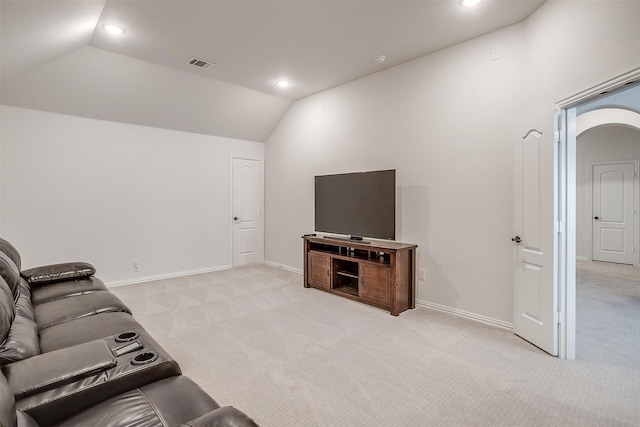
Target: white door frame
<point>636,206</point>
<point>231,222</point>
<point>565,204</point>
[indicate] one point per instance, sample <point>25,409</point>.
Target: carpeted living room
<point>319,213</point>
<point>301,357</point>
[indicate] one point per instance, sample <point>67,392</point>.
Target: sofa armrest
<point>133,369</point>
<point>227,416</point>
<point>50,370</point>
<point>57,272</point>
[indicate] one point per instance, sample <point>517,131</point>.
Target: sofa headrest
<point>10,273</point>
<point>56,272</point>
<point>7,310</point>
<point>11,252</point>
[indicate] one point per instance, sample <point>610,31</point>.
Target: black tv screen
<point>359,204</point>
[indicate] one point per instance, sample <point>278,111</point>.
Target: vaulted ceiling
<point>315,45</point>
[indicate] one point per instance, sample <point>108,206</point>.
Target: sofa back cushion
<point>11,252</point>
<point>10,273</point>
<point>7,310</point>
<point>24,305</point>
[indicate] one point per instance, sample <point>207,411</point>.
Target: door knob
<point>235,218</point>
<point>596,217</point>
<point>516,239</point>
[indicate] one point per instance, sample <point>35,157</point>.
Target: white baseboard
<point>467,315</point>
<point>284,267</point>
<point>582,258</point>
<point>165,276</point>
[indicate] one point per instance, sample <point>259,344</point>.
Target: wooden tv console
<point>379,273</point>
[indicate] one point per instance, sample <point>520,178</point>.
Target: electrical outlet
<point>136,266</point>
<point>421,274</point>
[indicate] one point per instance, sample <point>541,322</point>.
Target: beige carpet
<point>608,313</point>
<point>256,339</point>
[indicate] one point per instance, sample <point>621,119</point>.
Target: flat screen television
<point>361,204</point>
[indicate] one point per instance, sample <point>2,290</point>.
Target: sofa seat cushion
<point>169,402</point>
<point>74,307</point>
<point>22,342</point>
<point>7,404</point>
<point>56,290</point>
<point>86,329</point>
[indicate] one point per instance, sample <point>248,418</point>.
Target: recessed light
<point>470,3</point>
<point>113,29</point>
<point>379,58</point>
<point>282,83</point>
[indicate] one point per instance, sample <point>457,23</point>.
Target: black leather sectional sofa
<point>71,354</point>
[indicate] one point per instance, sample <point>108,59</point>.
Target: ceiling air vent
<point>199,63</point>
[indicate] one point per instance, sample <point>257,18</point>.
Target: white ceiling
<point>314,44</point>
<point>34,33</point>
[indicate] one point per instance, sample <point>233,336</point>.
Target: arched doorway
<point>565,184</point>
<point>607,231</point>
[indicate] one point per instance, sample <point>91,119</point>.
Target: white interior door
<point>247,219</point>
<point>535,296</point>
<point>612,212</point>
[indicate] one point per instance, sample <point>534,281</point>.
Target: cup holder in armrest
<point>144,358</point>
<point>127,336</point>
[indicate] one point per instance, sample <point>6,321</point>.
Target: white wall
<point>445,122</point>
<point>574,45</point>
<point>437,121</point>
<point>110,193</point>
<point>602,144</point>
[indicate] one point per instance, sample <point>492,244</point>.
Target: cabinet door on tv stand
<point>374,284</point>
<point>319,266</point>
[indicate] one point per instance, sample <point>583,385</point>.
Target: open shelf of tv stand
<point>349,290</point>
<point>378,273</point>
<point>342,273</point>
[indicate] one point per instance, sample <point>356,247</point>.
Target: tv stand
<point>381,273</point>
